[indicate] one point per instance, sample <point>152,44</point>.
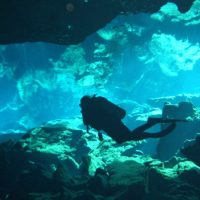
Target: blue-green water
<point>134,58</point>
<point>141,62</point>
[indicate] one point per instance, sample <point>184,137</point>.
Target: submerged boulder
<point>191,149</point>
<point>56,162</point>
<point>183,131</point>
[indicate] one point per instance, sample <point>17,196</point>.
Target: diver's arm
<point>85,121</point>
<point>87,128</point>
<point>100,135</point>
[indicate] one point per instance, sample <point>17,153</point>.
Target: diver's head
<point>85,100</point>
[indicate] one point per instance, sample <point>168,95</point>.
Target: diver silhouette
<point>101,114</point>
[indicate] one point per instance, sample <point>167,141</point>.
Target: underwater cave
<point>144,56</point>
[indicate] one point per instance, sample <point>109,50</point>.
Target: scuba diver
<point>101,114</point>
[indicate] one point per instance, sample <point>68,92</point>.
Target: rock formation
<point>183,131</point>
<point>191,149</point>
<point>56,162</point>
<point>66,21</point>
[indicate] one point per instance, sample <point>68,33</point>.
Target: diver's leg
<point>144,135</point>
<point>116,129</point>
<point>151,122</point>
<point>164,132</point>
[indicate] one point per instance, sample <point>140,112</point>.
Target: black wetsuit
<point>100,117</point>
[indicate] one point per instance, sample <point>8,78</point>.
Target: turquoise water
<point>147,64</point>
<point>134,58</point>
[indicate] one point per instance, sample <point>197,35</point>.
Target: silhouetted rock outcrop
<point>66,22</point>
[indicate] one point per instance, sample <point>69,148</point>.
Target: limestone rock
<point>47,164</point>
<point>183,130</point>
<point>191,149</point>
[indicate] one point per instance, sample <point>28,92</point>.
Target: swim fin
<point>156,120</point>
